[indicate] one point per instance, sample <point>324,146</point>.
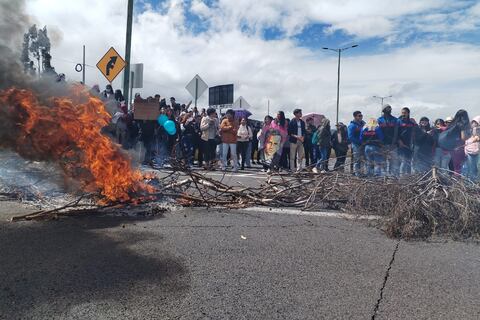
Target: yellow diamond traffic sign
<point>111,64</point>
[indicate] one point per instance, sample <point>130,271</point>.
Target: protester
<point>442,156</point>
<point>108,92</point>
<point>322,139</point>
<point>307,143</point>
<point>198,145</point>
<point>405,141</point>
<point>188,137</point>
<point>263,138</point>
<point>119,95</point>
<point>228,129</point>
<point>472,150</point>
<point>372,139</point>
<point>244,135</point>
<point>254,144</point>
<point>424,146</point>
<point>389,126</point>
<point>354,129</point>
<point>285,158</point>
<point>161,145</point>
<point>147,136</point>
<point>296,133</point>
<point>274,146</point>
<point>248,156</point>
<point>454,137</point>
<point>340,144</point>
<point>209,126</point>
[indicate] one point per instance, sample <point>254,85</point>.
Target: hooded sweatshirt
<point>354,129</point>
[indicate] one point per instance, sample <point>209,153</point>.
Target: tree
<point>36,44</point>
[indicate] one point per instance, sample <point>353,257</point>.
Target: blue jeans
<point>322,158</point>
<point>374,159</point>
<point>405,156</point>
<point>161,152</point>
<point>472,166</point>
<point>357,153</point>
<point>442,159</point>
<point>390,160</point>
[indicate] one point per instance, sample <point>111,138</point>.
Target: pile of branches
<point>438,202</point>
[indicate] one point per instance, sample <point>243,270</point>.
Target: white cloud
<point>430,77</point>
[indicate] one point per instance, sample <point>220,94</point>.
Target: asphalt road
<point>199,264</point>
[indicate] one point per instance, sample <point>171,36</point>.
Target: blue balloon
<point>162,119</point>
<point>169,126</point>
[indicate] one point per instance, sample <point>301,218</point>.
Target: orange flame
<point>67,130</point>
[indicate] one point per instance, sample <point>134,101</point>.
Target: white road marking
<point>312,213</point>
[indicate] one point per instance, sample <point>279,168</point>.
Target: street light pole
<point>339,51</point>
<point>382,98</point>
<point>128,47</point>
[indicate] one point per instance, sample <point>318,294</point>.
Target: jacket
<point>372,137</point>
<point>209,130</point>
<point>354,129</point>
<point>293,129</point>
<point>389,127</point>
<point>340,146</point>
<point>405,131</point>
<point>228,130</point>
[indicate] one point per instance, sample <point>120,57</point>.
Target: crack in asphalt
<point>385,279</point>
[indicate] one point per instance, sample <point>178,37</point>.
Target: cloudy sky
<point>426,53</point>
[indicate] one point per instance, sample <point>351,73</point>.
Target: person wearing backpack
<point>472,150</point>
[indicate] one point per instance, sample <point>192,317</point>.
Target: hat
<point>448,119</point>
<point>386,106</point>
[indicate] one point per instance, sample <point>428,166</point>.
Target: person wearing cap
<point>424,146</point>
<point>405,141</point>
<point>389,126</point>
<point>354,129</point>
<point>296,134</point>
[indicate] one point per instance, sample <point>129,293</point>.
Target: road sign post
<point>111,64</point>
<point>196,87</point>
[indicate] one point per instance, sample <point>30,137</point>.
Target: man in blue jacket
<point>389,126</point>
<point>405,142</point>
<point>296,136</point>
<point>354,129</point>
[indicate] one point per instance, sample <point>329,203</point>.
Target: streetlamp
<point>382,98</point>
<point>339,51</point>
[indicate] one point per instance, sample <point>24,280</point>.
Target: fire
<point>67,130</point>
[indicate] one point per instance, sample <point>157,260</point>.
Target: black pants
<point>209,148</point>
<point>242,148</point>
<point>308,153</point>
<point>341,156</point>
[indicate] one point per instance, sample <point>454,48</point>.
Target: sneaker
<point>315,170</point>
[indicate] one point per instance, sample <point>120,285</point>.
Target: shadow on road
<point>48,268</point>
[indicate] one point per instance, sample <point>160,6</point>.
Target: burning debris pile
<point>66,130</point>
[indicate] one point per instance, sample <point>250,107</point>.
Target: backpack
<point>315,137</point>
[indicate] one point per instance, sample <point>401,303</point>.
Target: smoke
<point>13,24</point>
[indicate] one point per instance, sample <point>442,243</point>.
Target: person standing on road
<point>228,130</point>
<point>406,126</point>
<point>340,146</point>
<point>389,126</point>
<point>472,150</point>
<point>307,144</point>
<point>442,156</point>
<point>244,134</point>
<point>372,138</point>
<point>209,127</point>
<point>296,132</point>
<point>423,146</point>
<point>354,129</point>
<point>322,138</point>
<point>263,140</point>
<point>274,146</point>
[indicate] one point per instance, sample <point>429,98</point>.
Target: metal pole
<point>131,89</point>
<point>338,83</point>
<point>83,66</point>
<point>196,92</point>
<point>128,47</point>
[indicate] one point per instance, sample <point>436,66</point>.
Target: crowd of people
<point>387,145</point>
